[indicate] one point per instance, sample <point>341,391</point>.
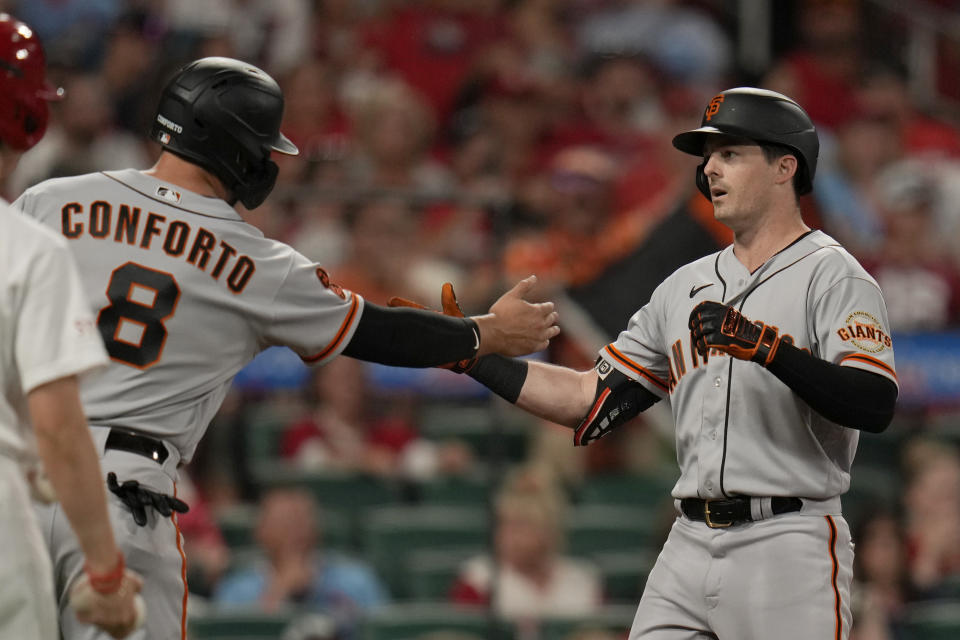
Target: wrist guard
<point>618,399</point>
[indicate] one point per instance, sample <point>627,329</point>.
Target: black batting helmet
<point>224,115</point>
<point>760,115</point>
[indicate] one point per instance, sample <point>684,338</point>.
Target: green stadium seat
<point>645,491</point>
<point>870,487</point>
<point>601,528</point>
<point>612,618</point>
<point>880,450</point>
<point>237,625</point>
<point>333,490</point>
<point>413,621</point>
<point>624,573</point>
<point>390,534</point>
<point>237,523</point>
<point>456,491</point>
<point>934,620</point>
<point>481,428</point>
<point>431,572</point>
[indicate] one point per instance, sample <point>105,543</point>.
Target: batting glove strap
<point>767,346</point>
<point>109,582</point>
<point>718,326</point>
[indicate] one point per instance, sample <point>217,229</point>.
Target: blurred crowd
<point>479,141</point>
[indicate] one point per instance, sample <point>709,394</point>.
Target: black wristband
<point>503,376</point>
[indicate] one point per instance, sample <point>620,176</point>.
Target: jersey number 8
<point>132,324</point>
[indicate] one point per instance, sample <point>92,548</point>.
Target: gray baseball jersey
<point>740,431</point>
<point>185,294</point>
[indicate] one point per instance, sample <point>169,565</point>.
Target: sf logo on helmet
<point>713,107</point>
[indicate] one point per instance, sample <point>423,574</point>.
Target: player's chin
<point>721,207</point>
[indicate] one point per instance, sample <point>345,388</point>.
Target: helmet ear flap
<point>257,185</point>
<point>702,183</point>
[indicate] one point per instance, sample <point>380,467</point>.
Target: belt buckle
<point>706,517</point>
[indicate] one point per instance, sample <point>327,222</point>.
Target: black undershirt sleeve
<point>850,397</point>
<point>407,337</point>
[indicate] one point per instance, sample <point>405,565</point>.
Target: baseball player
<point>774,354</point>
<point>185,293</point>
<point>47,339</point>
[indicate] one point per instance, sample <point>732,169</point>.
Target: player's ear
<point>786,166</point>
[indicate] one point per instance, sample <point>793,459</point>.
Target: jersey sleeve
<point>852,329</point>
<point>311,315</point>
<point>638,353</point>
<point>56,335</point>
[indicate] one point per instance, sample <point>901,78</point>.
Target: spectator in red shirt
<point>433,44</point>
<point>822,73</point>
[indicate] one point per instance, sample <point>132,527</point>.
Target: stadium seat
<point>487,433</point>
<point>474,490</point>
<point>611,618</point>
<point>592,529</point>
<point>390,534</point>
<point>624,573</point>
<point>431,572</point>
<point>237,523</point>
<point>634,490</point>
<point>411,621</point>
<point>934,620</point>
<point>238,624</point>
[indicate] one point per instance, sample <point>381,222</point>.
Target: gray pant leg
<point>674,603</point>
<point>152,551</point>
<point>787,578</point>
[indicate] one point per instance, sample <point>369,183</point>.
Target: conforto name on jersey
<point>178,239</point>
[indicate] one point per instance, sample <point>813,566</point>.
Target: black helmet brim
<point>692,141</point>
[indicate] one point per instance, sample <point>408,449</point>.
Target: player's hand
<point>515,327</point>
<point>450,307</point>
<point>138,498</point>
<point>718,326</point>
<point>117,607</point>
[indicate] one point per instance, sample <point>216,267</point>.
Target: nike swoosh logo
<point>476,340</point>
<point>695,289</point>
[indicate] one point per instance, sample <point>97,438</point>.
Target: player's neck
<point>756,245</point>
<point>184,174</point>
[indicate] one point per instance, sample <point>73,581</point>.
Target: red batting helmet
<point>24,90</point>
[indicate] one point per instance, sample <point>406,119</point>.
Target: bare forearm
<point>70,459</point>
<point>557,394</point>
<point>550,392</point>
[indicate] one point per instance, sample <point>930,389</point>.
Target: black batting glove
<point>718,326</point>
<point>138,498</point>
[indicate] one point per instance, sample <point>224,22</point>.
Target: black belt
<point>729,511</point>
<point>139,444</point>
